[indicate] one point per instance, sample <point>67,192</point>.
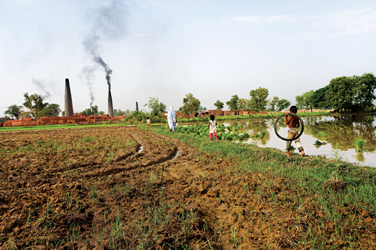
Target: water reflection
<point>343,131</point>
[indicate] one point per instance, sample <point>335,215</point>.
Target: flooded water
<point>342,133</point>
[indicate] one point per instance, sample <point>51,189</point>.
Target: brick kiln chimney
<point>136,106</point>
<point>110,107</point>
<point>68,99</point>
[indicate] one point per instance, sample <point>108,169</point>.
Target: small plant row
<point>202,131</point>
<point>235,117</point>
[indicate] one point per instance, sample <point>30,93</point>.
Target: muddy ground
<point>126,188</point>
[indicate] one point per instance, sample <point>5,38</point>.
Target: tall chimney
<point>110,107</point>
<point>68,99</point>
<point>136,106</point>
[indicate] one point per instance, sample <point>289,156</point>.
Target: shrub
<point>322,134</point>
<point>317,142</point>
<point>359,144</point>
<point>263,133</point>
<point>156,119</point>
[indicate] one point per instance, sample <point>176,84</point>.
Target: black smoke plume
<point>41,85</point>
<point>109,23</point>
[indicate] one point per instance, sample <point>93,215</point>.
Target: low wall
<point>76,119</point>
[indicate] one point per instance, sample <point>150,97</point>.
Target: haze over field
<point>166,48</point>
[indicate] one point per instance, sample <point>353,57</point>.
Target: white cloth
<point>213,126</point>
<point>171,118</point>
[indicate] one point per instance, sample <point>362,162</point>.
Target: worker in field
<point>171,118</point>
<point>293,132</point>
<point>148,122</point>
<point>213,128</point>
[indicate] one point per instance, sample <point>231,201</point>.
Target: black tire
<point>285,139</point>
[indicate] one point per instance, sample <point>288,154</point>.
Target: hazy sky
<point>167,48</point>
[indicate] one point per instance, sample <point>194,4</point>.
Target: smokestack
<point>68,99</point>
<point>136,106</point>
<point>110,107</point>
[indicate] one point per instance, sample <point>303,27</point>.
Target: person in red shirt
<point>293,123</point>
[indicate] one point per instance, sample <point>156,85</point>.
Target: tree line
<point>258,102</point>
<point>345,93</point>
<point>34,106</point>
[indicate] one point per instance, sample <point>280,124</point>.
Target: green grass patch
<point>308,174</point>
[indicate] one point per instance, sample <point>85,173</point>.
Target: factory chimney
<point>68,99</point>
<point>110,106</point>
<point>136,106</point>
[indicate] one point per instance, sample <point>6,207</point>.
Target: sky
<point>166,49</point>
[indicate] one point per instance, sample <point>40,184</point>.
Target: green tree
<point>51,110</point>
<point>91,111</point>
<point>219,104</point>
<point>364,91</point>
<point>283,104</point>
<point>14,111</point>
<point>274,103</point>
<point>319,98</point>
<point>155,106</point>
<point>34,103</point>
<point>119,112</point>
<point>341,93</point>
<point>233,103</point>
<point>304,100</point>
<point>259,99</point>
<point>243,103</point>
<point>200,108</point>
<point>190,104</point>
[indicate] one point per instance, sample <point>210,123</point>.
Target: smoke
<point>109,23</point>
<point>89,72</point>
<point>41,85</point>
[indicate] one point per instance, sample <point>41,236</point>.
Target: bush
<point>135,117</point>
<point>360,144</point>
<point>156,119</point>
<point>322,134</point>
<point>263,133</point>
<point>317,142</point>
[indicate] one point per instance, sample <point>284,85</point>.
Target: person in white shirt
<point>148,122</point>
<point>213,128</point>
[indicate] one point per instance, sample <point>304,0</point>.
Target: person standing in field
<point>293,123</point>
<point>148,122</point>
<point>213,128</point>
<point>171,118</point>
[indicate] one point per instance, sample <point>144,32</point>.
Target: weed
<point>94,194</point>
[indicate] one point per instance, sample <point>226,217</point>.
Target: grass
<point>319,170</point>
<point>337,188</point>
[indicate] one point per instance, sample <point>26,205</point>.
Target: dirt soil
<point>126,188</point>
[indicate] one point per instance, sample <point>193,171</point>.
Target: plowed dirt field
<point>126,188</point>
